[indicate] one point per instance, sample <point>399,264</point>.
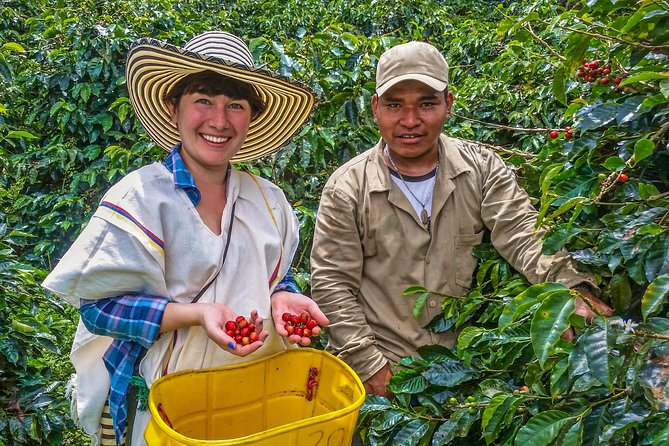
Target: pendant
<point>424,218</point>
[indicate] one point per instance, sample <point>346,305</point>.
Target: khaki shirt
<point>369,246</point>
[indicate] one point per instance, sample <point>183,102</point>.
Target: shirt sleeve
<point>288,283</point>
<point>134,318</point>
<point>335,288</point>
<point>508,213</point>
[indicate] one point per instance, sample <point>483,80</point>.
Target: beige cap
<point>418,61</point>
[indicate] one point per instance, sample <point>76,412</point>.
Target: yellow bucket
<point>262,403</point>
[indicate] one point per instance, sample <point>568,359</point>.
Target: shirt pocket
<point>465,262</point>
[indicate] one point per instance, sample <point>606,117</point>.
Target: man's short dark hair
<point>214,84</point>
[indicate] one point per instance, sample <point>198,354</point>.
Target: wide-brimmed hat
<point>154,67</point>
<point>418,61</point>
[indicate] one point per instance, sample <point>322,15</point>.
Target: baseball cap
<point>418,61</point>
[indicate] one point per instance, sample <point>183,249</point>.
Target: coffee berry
<point>302,325</point>
<point>241,330</point>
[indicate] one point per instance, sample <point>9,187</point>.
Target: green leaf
<point>407,381</point>
<point>558,373</point>
<point>657,257</point>
<point>15,134</point>
<point>643,148</point>
<point>496,415</point>
<point>467,336</point>
<point>525,300</point>
<point>449,373</point>
<point>614,164</point>
<point>549,322</point>
<point>13,46</point>
<point>574,435</point>
<point>596,116</point>
<point>543,428</point>
<point>624,421</point>
<point>559,90</point>
<point>389,419</point>
<point>620,291</point>
<point>374,403</point>
<point>492,386</point>
<point>662,437</point>
<point>419,305</point>
<point>415,290</point>
<point>655,296</point>
<point>411,433</point>
<point>548,175</point>
<point>457,425</point>
<point>593,423</point>
<point>644,76</point>
<point>567,205</point>
<point>597,352</point>
<point>435,352</point>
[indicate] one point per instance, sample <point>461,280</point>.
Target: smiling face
<point>410,116</point>
<point>212,129</point>
<point>212,113</point>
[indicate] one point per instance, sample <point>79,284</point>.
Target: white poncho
<point>147,237</point>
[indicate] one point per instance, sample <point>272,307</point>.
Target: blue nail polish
<point>231,345</point>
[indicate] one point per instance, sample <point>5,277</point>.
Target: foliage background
<point>67,132</point>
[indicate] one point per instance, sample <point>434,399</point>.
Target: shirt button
<point>432,303</point>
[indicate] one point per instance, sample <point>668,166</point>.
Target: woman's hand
<point>213,321</point>
<point>293,303</point>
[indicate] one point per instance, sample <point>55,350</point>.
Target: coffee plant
<point>591,152</point>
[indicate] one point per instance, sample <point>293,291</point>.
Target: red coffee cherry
<point>301,325</point>
<point>554,134</point>
<point>623,178</point>
<point>241,331</point>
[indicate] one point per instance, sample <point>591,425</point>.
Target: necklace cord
<point>424,217</point>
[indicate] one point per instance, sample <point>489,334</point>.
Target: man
<point>408,212</point>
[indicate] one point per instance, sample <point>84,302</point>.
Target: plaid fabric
<point>134,323</point>
<point>182,177</point>
<point>288,283</point>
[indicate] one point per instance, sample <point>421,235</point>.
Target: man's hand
<point>287,302</point>
<point>378,383</point>
<point>583,309</point>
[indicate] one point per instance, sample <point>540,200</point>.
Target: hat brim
<point>154,67</point>
<point>431,82</point>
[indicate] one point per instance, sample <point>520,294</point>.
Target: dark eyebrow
<point>428,97</point>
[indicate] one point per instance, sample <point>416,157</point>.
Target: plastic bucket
<point>262,402</point>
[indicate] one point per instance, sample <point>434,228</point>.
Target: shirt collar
<point>175,164</point>
<point>182,176</point>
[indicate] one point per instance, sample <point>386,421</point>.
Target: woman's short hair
<point>214,84</point>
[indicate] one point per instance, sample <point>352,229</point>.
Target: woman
<point>176,249</point>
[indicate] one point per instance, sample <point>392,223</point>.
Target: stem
<point>644,334</point>
<point>543,42</point>
<point>612,38</point>
<point>505,127</point>
<point>660,133</point>
<point>664,218</point>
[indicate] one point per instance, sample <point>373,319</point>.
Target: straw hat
<point>153,67</point>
